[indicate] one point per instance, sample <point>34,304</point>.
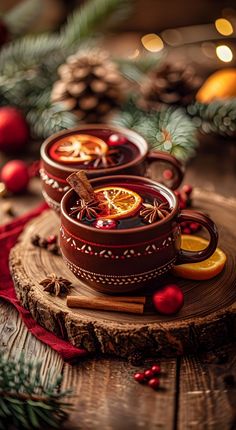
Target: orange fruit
<point>78,148</point>
<point>118,202</point>
<point>206,269</point>
<point>219,85</point>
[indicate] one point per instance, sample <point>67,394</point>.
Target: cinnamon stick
<point>80,183</point>
<point>104,305</point>
<point>127,299</point>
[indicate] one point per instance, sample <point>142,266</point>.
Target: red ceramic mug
<point>122,260</point>
<point>133,155</point>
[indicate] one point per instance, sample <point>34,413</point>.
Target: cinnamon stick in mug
<point>104,305</point>
<point>80,183</point>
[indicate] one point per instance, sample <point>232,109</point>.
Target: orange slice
<point>118,202</point>
<point>206,269</point>
<point>78,148</point>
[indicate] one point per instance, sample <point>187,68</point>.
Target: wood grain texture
<point>207,319</point>
<point>206,401</point>
<point>109,398</point>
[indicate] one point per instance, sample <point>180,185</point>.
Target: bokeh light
<point>172,37</point>
<point>152,42</point>
<point>224,26</point>
<point>224,53</point>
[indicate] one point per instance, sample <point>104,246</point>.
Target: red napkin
<point>8,237</point>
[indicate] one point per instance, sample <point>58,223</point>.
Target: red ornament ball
<point>116,139</point>
<point>154,383</point>
<point>168,300</point>
<point>14,131</point>
<point>15,176</point>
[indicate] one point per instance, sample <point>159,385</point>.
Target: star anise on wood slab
<point>156,211</point>
<point>55,285</point>
<point>88,209</point>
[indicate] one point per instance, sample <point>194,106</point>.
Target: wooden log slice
<point>207,320</point>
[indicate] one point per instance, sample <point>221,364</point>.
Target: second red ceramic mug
<point>84,147</point>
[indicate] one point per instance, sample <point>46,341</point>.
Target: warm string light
<point>224,26</point>
<point>224,53</point>
<point>152,42</point>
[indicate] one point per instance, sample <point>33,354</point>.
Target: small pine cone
<point>90,86</point>
<point>170,84</point>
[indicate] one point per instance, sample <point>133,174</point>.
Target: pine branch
<point>167,130</point>
<point>136,69</point>
<point>90,18</point>
<point>24,402</point>
<point>20,17</point>
<point>216,117</point>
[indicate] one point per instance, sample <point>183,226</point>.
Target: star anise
<point>156,211</point>
<point>83,209</point>
<point>107,159</point>
<point>56,286</point>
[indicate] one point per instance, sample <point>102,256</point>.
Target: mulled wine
<point>121,206</point>
<point>93,149</point>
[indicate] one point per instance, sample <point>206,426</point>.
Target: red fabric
<point>8,237</point>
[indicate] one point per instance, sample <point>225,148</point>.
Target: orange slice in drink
<point>79,148</point>
<point>206,269</point>
<point>118,202</point>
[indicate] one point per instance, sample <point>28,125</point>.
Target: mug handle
<point>205,221</point>
<point>176,167</point>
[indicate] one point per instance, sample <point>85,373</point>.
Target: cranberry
<point>116,139</point>
<point>51,239</point>
<point>186,230</point>
<point>168,300</point>
<point>149,374</point>
<point>154,383</point>
<point>156,368</point>
<point>194,226</point>
<point>104,224</point>
<point>168,174</point>
<point>187,189</point>
<point>139,377</point>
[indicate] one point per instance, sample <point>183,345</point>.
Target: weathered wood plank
<point>15,339</point>
<point>108,398</point>
<point>206,400</point>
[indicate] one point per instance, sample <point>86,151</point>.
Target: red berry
<point>168,300</point>
<point>156,368</point>
<point>15,176</point>
<point>154,383</point>
<point>116,139</point>
<point>182,204</point>
<point>177,193</point>
<point>187,189</point>
<point>194,226</point>
<point>139,377</point>
<point>105,224</point>
<point>168,174</point>
<point>186,230</point>
<point>51,239</point>
<point>149,374</point>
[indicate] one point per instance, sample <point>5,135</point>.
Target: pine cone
<point>90,86</point>
<point>169,84</point>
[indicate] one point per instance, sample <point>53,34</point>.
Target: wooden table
<point>198,392</point>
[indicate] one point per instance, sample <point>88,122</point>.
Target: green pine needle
<point>217,117</point>
<point>24,402</point>
<point>21,17</point>
<point>168,130</point>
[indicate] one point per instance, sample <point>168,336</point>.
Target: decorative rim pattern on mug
<point>51,203</point>
<point>53,183</point>
<point>113,280</point>
<point>108,253</point>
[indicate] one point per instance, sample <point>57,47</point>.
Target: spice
<point>106,304</point>
<point>156,211</point>
<point>84,209</point>
<point>56,286</point>
<point>80,183</point>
